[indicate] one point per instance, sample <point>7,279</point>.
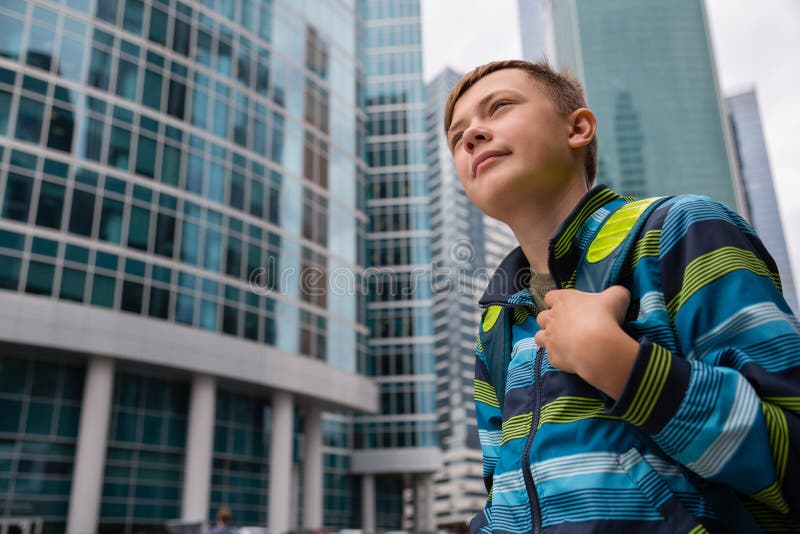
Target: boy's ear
<point>583,127</point>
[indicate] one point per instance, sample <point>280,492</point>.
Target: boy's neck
<point>536,227</point>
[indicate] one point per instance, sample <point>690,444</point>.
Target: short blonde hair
<point>564,91</point>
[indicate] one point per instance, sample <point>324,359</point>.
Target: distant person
<point>638,369</point>
<point>224,520</point>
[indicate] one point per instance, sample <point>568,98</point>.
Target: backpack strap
<point>603,260</point>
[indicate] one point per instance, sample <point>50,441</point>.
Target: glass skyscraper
<point>183,202</point>
<point>466,248</point>
<point>751,152</point>
<point>397,450</point>
<point>650,79</point>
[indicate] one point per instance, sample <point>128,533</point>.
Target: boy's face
<point>509,143</point>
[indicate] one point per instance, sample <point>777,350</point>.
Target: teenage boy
<point>668,405</point>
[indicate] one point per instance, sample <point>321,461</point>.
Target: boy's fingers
<point>542,318</point>
<point>551,296</point>
<point>540,338</point>
<point>556,295</point>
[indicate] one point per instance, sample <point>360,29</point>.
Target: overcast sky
<point>756,44</point>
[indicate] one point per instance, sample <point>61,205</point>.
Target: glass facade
<point>142,485</point>
<point>240,473</point>
<point>40,404</point>
<point>398,235</point>
<point>466,247</point>
<point>390,503</point>
<point>400,353</point>
<point>215,166</point>
<point>753,160</point>
<point>168,146</point>
<point>342,490</point>
<point>651,81</point>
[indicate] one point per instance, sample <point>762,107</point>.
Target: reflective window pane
<point>111,221</point>
<point>5,109</point>
<point>99,69</point>
<point>40,47</point>
<point>158,26</point>
<point>133,16</point>
<point>9,272</point>
<point>103,291</point>
<point>51,205</point>
<point>127,74</point>
<point>139,229</point>
<point>107,10</point>
<point>165,235</point>
<point>10,36</point>
<point>16,204</point>
<point>70,62</point>
<point>72,284</point>
<point>29,120</point>
<point>146,156</point>
<point>159,303</point>
<point>62,127</point>
<point>81,213</point>
<point>119,148</point>
<point>40,278</point>
<point>151,95</point>
<point>171,165</point>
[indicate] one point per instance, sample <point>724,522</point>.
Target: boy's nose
<point>474,136</point>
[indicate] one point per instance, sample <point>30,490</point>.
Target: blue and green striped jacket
<point>706,435</point>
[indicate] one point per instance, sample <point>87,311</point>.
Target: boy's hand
<point>582,334</point>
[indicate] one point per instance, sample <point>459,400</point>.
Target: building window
<point>143,479</point>
<point>315,160</point>
<point>40,406</point>
<point>315,216</point>
<point>313,335</point>
<point>240,469</point>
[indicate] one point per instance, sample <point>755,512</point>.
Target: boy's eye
<point>497,105</point>
<point>456,138</point>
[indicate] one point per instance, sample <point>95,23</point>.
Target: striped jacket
<point>706,434</point>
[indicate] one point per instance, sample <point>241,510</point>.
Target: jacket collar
<point>510,281</point>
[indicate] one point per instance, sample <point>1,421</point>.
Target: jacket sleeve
<point>487,410</point>
<point>725,401</point>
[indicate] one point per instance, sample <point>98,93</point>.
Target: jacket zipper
<point>533,497</point>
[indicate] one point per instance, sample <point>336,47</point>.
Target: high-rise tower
<point>650,79</point>
<point>179,184</point>
<point>753,160</point>
<point>466,247</point>
<point>397,450</point>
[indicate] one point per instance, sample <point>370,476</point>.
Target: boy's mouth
<point>485,158</point>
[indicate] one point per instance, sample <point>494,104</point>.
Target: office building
<point>396,451</point>
<point>466,247</point>
<point>179,185</point>
<point>753,161</point>
<point>650,78</point>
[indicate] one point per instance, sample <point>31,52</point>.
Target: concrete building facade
<point>179,189</point>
